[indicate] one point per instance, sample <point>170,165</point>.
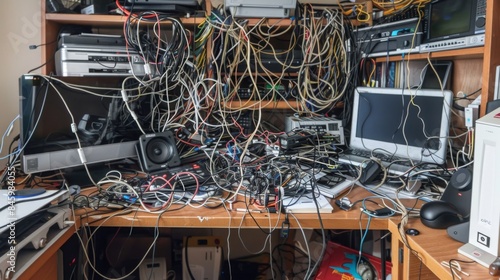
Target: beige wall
<point>20,28</point>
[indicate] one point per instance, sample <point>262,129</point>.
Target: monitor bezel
<point>444,76</point>
<point>437,156</point>
<point>430,24</point>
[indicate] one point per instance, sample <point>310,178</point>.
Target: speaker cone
<point>157,151</point>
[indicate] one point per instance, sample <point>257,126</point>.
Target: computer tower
<point>484,231</point>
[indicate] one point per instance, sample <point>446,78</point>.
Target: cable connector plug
<point>124,95</point>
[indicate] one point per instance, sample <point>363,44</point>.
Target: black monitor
<point>105,130</point>
<point>442,70</point>
<point>447,19</point>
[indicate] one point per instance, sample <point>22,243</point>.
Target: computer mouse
<point>439,214</point>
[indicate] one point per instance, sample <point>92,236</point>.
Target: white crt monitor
<point>411,124</point>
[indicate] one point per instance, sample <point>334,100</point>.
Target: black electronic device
<point>459,232</point>
<point>369,172</point>
<point>459,191</point>
<point>447,19</point>
<point>440,214</point>
<point>454,206</point>
<point>443,70</point>
<point>276,61</point>
<point>293,139</point>
<point>91,41</point>
<point>424,110</point>
<point>48,131</point>
<point>157,151</point>
<point>453,24</point>
<point>163,8</point>
<point>192,3</point>
<point>391,38</point>
<point>186,173</point>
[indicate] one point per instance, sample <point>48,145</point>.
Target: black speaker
<point>459,191</point>
<point>459,232</point>
<point>454,206</point>
<point>157,151</point>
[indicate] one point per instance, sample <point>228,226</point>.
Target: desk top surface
<point>222,217</point>
<point>435,245</point>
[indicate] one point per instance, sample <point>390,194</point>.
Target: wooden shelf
<point>102,20</point>
<point>476,52</point>
<point>264,104</point>
<point>270,21</point>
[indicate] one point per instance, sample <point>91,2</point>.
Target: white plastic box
<point>260,8</point>
<point>484,230</point>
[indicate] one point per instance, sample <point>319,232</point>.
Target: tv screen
<point>443,70</point>
<point>449,18</point>
<point>53,115</point>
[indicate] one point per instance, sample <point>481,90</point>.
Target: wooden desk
<point>220,218</point>
<point>433,246</point>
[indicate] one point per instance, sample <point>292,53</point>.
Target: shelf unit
<point>488,55</point>
<point>476,52</point>
<point>52,22</point>
<point>485,58</point>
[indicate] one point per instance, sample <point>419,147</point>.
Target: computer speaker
<point>157,151</point>
<point>459,191</point>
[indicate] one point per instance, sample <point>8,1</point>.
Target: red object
<point>340,263</point>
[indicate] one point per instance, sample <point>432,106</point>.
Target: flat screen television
<point>105,130</point>
<point>448,19</point>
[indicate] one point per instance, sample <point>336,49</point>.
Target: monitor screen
<point>104,128</point>
<point>407,124</point>
<point>442,70</point>
<point>449,17</point>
